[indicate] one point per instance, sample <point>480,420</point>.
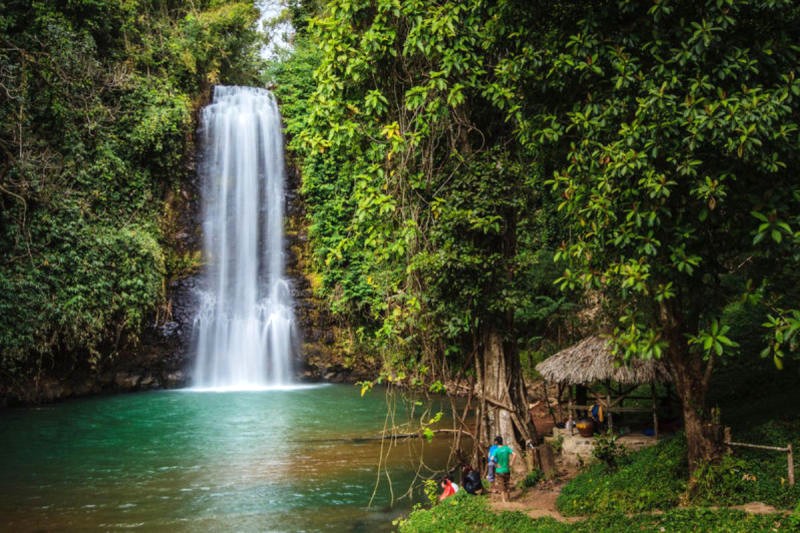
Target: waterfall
<point>245,325</point>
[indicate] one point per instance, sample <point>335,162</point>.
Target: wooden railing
<point>787,450</point>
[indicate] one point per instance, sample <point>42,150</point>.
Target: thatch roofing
<point>591,360</point>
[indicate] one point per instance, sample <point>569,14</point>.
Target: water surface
<point>292,459</point>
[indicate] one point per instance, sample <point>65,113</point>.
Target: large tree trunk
<point>692,376</point>
<point>703,431</point>
<point>502,398</point>
<point>502,402</point>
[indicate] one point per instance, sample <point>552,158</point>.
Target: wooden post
<point>560,401</point>
<point>655,409</point>
<point>726,431</point>
<point>608,404</point>
<point>550,409</point>
<point>547,463</point>
<point>532,459</point>
<point>570,412</point>
<point>790,466</point>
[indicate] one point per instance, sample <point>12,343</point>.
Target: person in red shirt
<point>448,488</point>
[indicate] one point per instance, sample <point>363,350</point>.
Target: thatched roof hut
<point>591,361</point>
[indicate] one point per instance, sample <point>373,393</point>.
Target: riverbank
<point>746,493</point>
<point>467,513</point>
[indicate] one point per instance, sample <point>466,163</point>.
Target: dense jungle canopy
<point>484,181</point>
<point>451,150</point>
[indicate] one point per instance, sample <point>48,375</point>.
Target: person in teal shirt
<point>504,456</point>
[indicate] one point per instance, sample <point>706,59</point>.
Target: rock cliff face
<point>163,357</point>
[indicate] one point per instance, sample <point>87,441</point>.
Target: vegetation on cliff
<point>96,121</point>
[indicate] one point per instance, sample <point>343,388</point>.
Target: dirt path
<point>536,502</point>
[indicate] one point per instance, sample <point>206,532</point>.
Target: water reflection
<point>291,460</point>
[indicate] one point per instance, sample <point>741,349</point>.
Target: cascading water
<point>245,325</point>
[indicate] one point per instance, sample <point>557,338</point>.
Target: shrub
<point>431,489</point>
<point>557,444</point>
<point>533,478</point>
<point>728,483</point>
<point>756,475</point>
<point>794,519</point>
<point>608,451</point>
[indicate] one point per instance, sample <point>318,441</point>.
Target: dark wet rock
<point>127,381</point>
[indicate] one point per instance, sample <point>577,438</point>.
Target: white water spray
<point>245,326</point>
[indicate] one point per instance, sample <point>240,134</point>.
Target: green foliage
<point>730,482</point>
<point>783,338</point>
<point>533,478</point>
<point>156,126</point>
<point>669,132</point>
<point>685,521</point>
<point>676,127</point>
<point>464,512</point>
<point>794,519</point>
<point>426,223</point>
<point>608,450</point>
<point>652,479</point>
<point>766,469</point>
<point>557,444</point>
<point>655,478</point>
<point>216,44</point>
<point>95,132</point>
<point>431,490</point>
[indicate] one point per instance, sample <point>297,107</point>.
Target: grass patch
<point>463,513</point>
<point>696,519</point>
<point>655,478</point>
<point>648,480</point>
<point>754,475</point>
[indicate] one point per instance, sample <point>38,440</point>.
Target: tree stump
<point>545,460</point>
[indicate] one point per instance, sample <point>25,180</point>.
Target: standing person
<point>505,460</point>
<point>491,464</point>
